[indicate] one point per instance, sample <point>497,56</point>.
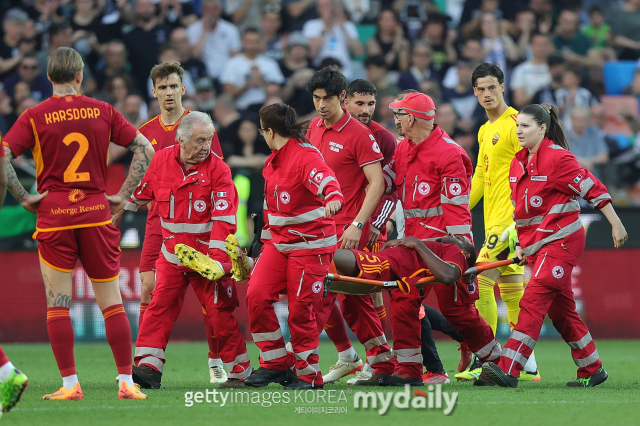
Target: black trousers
<point>434,320</point>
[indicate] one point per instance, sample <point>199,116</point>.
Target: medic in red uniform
<point>545,181</point>
<point>301,195</point>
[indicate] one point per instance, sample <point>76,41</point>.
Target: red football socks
<point>3,357</point>
<point>118,332</point>
<point>336,330</point>
<point>143,309</point>
<point>61,337</point>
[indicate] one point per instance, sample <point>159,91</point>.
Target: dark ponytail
<point>283,120</point>
<point>548,115</point>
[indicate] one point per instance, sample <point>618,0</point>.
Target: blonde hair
<point>63,65</point>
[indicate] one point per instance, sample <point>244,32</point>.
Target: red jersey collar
<point>532,165</point>
<point>339,125</point>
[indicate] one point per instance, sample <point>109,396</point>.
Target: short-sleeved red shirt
<point>347,146</point>
<point>161,136</point>
<point>69,137</point>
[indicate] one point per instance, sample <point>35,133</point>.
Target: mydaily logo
<point>419,400</point>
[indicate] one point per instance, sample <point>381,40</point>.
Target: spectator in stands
<point>587,142</point>
<point>472,52</point>
<point>544,15</point>
<point>132,110</point>
<point>12,49</point>
<point>634,88</point>
<point>462,99</point>
<point>227,119</point>
<point>169,52</point>
<point>499,48</point>
<point>571,95</point>
<point>5,110</point>
<point>547,94</point>
<point>390,42</point>
<point>44,12</point>
<point>296,69</point>
<point>413,15</point>
<point>298,13</point>
<point>522,30</point>
<point>214,40</point>
<point>362,11</point>
<point>420,69</point>
<point>333,35</point>
<point>575,47</point>
<point>193,66</point>
<point>441,39</point>
<point>598,30</point>
<point>88,29</point>
<point>205,96</point>
<point>448,121</point>
<point>532,75</point>
<point>376,68</point>
<point>29,72</point>
<point>247,13</point>
<point>116,89</point>
<point>177,13</point>
<point>271,22</point>
<point>21,91</point>
<point>250,153</point>
<point>60,35</point>
<point>625,24</point>
<point>247,74</point>
<point>114,62</point>
<point>144,42</point>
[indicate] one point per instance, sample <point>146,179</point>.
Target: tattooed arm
<point>142,155</point>
<point>28,201</point>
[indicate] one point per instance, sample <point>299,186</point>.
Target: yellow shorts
<point>493,250</point>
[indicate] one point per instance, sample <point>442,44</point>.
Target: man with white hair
<point>197,205</point>
<point>587,142</point>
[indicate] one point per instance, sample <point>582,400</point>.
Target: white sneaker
<point>364,374</point>
<point>217,374</point>
<point>342,369</point>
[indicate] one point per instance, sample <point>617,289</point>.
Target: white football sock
<point>128,378</point>
<point>532,366</point>
<point>349,355</point>
<point>367,367</point>
<point>69,382</point>
<point>251,262</point>
<point>5,371</point>
<point>215,362</point>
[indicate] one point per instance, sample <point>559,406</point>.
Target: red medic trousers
<point>549,292</point>
<point>302,277</point>
<point>219,299</point>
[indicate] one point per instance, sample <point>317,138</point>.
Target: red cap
<point>416,104</point>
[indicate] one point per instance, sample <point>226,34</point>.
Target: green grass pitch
<point>546,403</point>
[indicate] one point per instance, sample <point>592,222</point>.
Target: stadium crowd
<point>240,55</point>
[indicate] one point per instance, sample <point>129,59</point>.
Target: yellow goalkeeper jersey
<point>498,145</point>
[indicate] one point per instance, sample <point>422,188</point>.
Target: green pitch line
<point>545,403</point>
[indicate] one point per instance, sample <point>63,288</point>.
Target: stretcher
<point>336,283</point>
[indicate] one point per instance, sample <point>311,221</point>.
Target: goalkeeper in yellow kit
<point>498,146</point>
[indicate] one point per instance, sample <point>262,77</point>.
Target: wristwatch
<point>358,225</point>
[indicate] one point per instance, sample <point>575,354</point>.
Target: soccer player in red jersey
<point>351,151</point>
<point>161,131</point>
<point>69,137</point>
<point>360,102</point>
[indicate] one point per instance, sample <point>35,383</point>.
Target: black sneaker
<point>483,381</point>
<point>291,378</point>
<point>146,377</point>
<point>494,374</point>
<point>302,385</point>
<point>376,379</point>
<point>263,376</point>
<point>401,379</point>
<point>590,382</point>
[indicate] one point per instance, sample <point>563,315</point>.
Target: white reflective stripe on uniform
<point>430,212</point>
<point>390,172</point>
<point>332,193</point>
<point>376,341</point>
<point>171,258</point>
<point>486,349</point>
<point>274,354</point>
<point>513,355</point>
<point>239,360</point>
<point>564,232</point>
<point>572,206</point>
<point>151,360</point>
<point>521,337</point>
<point>324,183</point>
<point>309,369</point>
<point>513,202</point>
<point>414,358</point>
<point>307,245</point>
<point>460,200</point>
<point>599,199</point>
<point>158,353</point>
<point>588,184</point>
<point>228,219</point>
<point>459,229</point>
<point>309,216</point>
<point>131,207</point>
<point>582,343</point>
<point>267,337</point>
<point>264,205</point>
<point>584,362</point>
<point>388,184</point>
<point>305,354</point>
<point>217,244</point>
<point>186,228</point>
<point>408,354</point>
<point>383,357</point>
<point>555,146</point>
<point>266,235</point>
<point>241,376</point>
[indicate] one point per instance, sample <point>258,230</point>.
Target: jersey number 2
<point>70,174</point>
